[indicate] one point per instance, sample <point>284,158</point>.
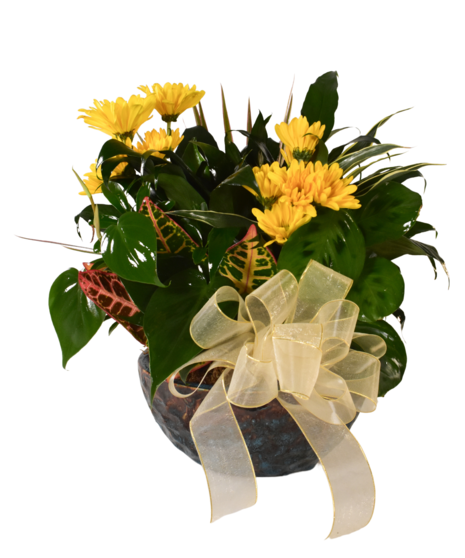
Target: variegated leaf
<point>248,264</point>
<point>106,291</point>
<point>171,238</point>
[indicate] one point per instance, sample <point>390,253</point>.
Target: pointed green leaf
<point>215,219</point>
<point>347,162</point>
<point>247,264</point>
<point>321,102</point>
<point>379,291</point>
<point>203,122</point>
<point>76,319</point>
<point>227,125</point>
<point>419,228</point>
<point>399,174</point>
<point>196,116</point>
<point>180,191</point>
<point>249,119</point>
<point>171,237</point>
<point>116,195</point>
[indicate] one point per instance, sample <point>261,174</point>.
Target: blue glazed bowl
<point>277,446</point>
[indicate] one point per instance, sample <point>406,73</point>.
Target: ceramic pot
<point>276,444</point>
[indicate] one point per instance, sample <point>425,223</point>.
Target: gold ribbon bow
<point>291,341</point>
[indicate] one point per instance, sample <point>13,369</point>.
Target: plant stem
<point>168,128</point>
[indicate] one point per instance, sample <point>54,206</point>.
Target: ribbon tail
<point>223,453</point>
<point>344,463</point>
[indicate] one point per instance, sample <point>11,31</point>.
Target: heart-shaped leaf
<point>106,291</point>
<point>332,238</point>
<point>130,249</point>
<point>171,237</point>
<point>247,264</point>
<point>76,319</point>
<point>379,291</point>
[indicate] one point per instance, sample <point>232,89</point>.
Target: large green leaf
<point>198,133</point>
<point>219,240</point>
<point>231,197</point>
<point>247,264</point>
<point>347,162</point>
<point>167,321</point>
<point>379,291</point>
<point>321,102</point>
<point>181,192</point>
<point>171,238</point>
<point>75,318</point>
<point>108,215</point>
<point>332,238</point>
<point>215,219</point>
<point>130,249</point>
<point>116,195</point>
<point>394,362</point>
<point>387,212</point>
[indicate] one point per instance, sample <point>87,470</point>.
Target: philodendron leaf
<point>394,362</point>
<point>332,238</point>
<point>247,264</point>
<point>76,319</point>
<point>379,291</point>
<point>387,212</point>
<point>321,102</point>
<point>171,237</point>
<point>106,291</point>
<point>116,195</point>
<point>130,249</point>
<point>167,322</point>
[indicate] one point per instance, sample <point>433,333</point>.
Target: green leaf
<point>140,293</point>
<point>199,254</point>
<point>419,228</point>
<point>321,102</point>
<point>394,362</point>
<point>241,178</point>
<point>167,322</point>
<point>114,147</point>
<point>387,212</point>
<point>379,291</point>
<point>219,240</point>
<point>113,326</point>
<point>116,195</point>
<point>198,133</point>
<point>107,213</point>
<point>130,249</point>
<point>75,318</point>
<point>215,219</point>
<point>181,192</point>
<point>247,264</point>
<point>399,174</point>
<point>227,125</point>
<point>347,162</point>
<point>203,122</point>
<point>321,153</point>
<point>332,238</point>
<point>171,237</point>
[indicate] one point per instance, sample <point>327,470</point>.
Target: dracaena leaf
<point>247,264</point>
<point>171,238</point>
<point>106,291</point>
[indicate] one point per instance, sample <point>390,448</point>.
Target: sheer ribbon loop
<point>291,342</point>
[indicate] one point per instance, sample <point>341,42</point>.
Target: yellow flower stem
<point>168,127</point>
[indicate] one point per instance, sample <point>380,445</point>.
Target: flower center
<point>305,155</point>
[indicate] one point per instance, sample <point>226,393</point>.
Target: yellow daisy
<point>269,192</point>
<point>332,190</point>
<point>93,179</point>
<point>159,141</point>
<point>120,119</point>
<point>172,99</point>
<point>300,139</point>
<point>282,220</point>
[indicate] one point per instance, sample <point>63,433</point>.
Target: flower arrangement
<point>188,237</point>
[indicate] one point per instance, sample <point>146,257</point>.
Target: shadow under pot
<point>276,444</point>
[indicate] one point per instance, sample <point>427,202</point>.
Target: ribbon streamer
<point>291,342</point>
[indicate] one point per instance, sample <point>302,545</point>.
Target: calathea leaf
<point>387,212</point>
<point>130,249</point>
<point>332,238</point>
<point>76,319</point>
<point>247,264</point>
<point>394,362</point>
<point>106,291</point>
<point>379,291</point>
<point>171,237</point>
<point>321,102</point>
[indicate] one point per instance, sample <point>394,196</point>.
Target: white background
<point>84,469</point>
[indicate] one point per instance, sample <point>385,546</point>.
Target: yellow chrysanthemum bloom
<point>282,220</point>
<point>159,141</point>
<point>316,183</point>
<point>120,119</point>
<point>93,179</point>
<point>172,99</point>
<point>300,139</point>
<point>269,192</point>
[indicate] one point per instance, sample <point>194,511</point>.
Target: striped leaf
<point>171,238</point>
<point>247,264</point>
<point>106,291</point>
